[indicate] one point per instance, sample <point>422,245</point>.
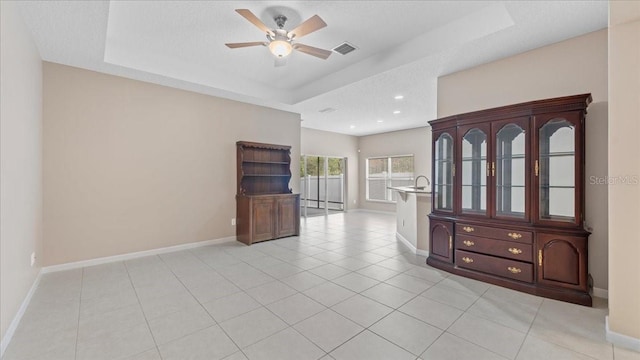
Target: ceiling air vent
<point>327,110</point>
<point>344,48</point>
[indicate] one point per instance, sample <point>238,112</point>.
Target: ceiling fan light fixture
<point>280,48</point>
<point>280,41</point>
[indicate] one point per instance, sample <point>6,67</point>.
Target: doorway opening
<point>322,185</point>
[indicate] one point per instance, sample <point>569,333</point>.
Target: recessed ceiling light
<point>396,112</point>
<point>398,97</point>
<point>352,127</point>
<point>380,121</point>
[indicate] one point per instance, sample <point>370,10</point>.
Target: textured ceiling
<point>403,46</point>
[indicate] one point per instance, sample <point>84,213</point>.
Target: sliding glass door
<point>322,189</point>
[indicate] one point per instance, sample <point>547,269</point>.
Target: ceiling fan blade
<point>310,25</point>
<point>245,44</point>
<point>247,14</point>
<point>278,62</point>
<point>317,52</point>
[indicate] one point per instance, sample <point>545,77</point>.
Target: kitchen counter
<point>410,189</point>
<point>412,223</point>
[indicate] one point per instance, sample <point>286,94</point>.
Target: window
<point>383,172</point>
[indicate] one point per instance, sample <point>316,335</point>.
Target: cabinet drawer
<point>496,266</point>
<point>505,249</point>
<point>495,233</point>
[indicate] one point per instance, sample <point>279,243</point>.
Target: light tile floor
<point>344,289</point>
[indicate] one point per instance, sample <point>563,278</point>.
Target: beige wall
<point>20,162</point>
<point>132,166</point>
<point>405,142</point>
<point>574,66</point>
<point>624,147</point>
<point>317,142</point>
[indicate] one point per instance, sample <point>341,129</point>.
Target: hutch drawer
<point>505,249</point>
<point>511,269</point>
<point>495,233</point>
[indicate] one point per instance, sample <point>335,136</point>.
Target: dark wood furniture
<point>508,197</point>
<point>265,206</point>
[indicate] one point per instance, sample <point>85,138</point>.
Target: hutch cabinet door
<point>263,219</point>
<point>443,171</point>
<point>559,169</point>
<point>562,261</point>
<point>510,175</point>
<point>441,237</point>
<point>473,149</point>
<point>288,215</point>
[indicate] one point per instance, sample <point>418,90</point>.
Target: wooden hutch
<point>508,197</point>
<point>265,206</point>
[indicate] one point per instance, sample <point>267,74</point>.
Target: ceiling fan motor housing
<point>280,20</point>
<point>279,34</point>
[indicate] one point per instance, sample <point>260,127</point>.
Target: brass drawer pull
<point>514,236</point>
<point>515,251</point>
<point>467,260</point>
<point>468,229</point>
<point>468,243</point>
<point>514,270</point>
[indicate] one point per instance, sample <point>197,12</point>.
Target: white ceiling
<point>403,47</point>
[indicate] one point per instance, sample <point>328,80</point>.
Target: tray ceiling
<point>402,48</point>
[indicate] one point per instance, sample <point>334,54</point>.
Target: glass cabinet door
<point>555,170</point>
<point>443,171</point>
<point>473,175</point>
<point>510,171</point>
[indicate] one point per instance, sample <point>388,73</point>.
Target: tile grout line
<point>529,328</point>
<point>562,346</point>
<point>75,355</point>
<point>141,308</point>
<point>204,308</point>
<point>244,291</point>
<point>385,316</point>
<point>326,308</point>
<point>465,312</point>
<point>409,315</point>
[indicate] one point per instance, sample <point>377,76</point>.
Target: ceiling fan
<point>280,41</point>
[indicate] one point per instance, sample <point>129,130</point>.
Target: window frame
<point>388,178</point>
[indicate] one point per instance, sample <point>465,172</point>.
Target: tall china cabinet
<point>508,197</point>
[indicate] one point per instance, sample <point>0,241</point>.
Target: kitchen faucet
<point>415,185</point>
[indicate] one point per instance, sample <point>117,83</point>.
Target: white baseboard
<point>621,339</point>
<point>134,255</point>
<point>421,252</point>
<point>411,247</point>
<point>601,293</point>
<point>373,211</point>
<point>406,242</point>
<point>6,339</point>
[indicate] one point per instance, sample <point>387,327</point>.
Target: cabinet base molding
<point>575,297</point>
